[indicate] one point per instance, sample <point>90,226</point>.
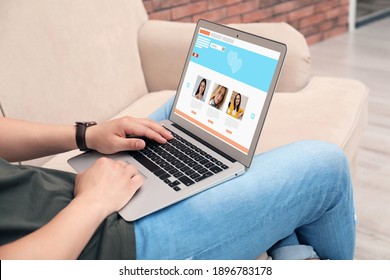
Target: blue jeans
<point>295,195</point>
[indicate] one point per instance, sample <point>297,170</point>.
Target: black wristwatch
<point>81,128</point>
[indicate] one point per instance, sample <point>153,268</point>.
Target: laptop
<point>221,103</point>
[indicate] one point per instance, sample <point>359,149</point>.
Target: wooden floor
<point>365,55</point>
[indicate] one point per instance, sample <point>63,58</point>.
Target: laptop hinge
<point>204,143</point>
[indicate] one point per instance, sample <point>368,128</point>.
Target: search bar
<point>217,47</point>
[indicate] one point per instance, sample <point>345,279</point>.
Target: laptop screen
<point>224,88</point>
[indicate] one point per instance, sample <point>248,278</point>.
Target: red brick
<point>332,13</point>
<point>325,5</point>
<point>310,30</point>
<point>314,19</point>
<point>312,39</point>
<point>214,15</point>
<point>186,19</point>
<point>257,15</point>
<point>165,4</point>
<point>242,8</point>
<point>285,7</point>
<point>221,3</point>
<point>267,3</point>
<point>161,15</point>
<point>344,9</point>
<point>317,20</point>
<point>294,23</point>
<point>279,18</point>
<point>301,13</point>
<point>326,25</point>
<point>343,19</point>
<point>190,9</point>
<point>233,19</point>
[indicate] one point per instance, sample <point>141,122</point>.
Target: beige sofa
<point>68,60</point>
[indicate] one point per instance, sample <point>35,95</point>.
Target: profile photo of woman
<point>234,108</point>
<point>218,97</point>
<point>201,89</point>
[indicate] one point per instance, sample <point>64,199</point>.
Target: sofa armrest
<point>163,47</point>
<point>328,109</point>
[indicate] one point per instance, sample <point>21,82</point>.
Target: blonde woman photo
<point>218,96</point>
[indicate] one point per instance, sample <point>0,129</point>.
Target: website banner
<point>234,61</point>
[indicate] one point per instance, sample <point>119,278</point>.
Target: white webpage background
<point>245,130</point>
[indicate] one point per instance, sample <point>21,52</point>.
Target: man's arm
<point>66,235</point>
<point>23,140</point>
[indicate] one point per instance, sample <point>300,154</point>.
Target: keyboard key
<point>190,172</point>
<point>165,177</point>
<point>195,175</point>
<point>177,174</point>
<point>192,163</point>
<point>197,167</point>
<point>146,162</point>
<point>203,170</point>
<point>204,176</point>
<point>174,183</point>
<point>215,169</point>
<point>160,172</point>
<point>185,169</point>
<point>186,181</point>
<point>169,168</point>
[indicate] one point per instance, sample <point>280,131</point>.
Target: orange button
<point>204,32</point>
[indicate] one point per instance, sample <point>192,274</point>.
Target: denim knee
<point>326,154</point>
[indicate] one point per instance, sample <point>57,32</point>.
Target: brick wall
<point>317,20</point>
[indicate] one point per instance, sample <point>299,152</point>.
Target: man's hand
<point>108,185</point>
<point>110,137</point>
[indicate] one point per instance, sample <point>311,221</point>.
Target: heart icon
<point>234,62</point>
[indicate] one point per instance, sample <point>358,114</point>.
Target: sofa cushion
<point>69,60</point>
<point>146,105</point>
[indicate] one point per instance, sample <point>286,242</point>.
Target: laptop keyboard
<point>178,163</point>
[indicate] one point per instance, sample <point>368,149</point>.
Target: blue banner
<point>237,63</point>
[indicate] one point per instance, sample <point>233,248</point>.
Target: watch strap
<point>81,128</point>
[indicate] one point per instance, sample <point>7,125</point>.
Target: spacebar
<point>146,162</point>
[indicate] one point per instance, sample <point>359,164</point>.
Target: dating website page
<point>225,87</point>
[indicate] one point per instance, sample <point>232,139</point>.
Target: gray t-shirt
<point>31,196</point>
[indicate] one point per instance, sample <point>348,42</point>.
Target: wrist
<point>95,209</point>
<point>81,135</point>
